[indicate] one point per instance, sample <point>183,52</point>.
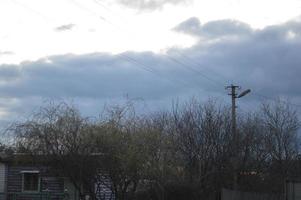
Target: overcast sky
<point>93,52</point>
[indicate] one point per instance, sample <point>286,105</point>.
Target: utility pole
<point>235,135</point>
<point>233,95</point>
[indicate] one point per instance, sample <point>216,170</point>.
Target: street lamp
<point>244,93</point>
<point>234,96</point>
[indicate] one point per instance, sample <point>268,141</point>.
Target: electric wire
<point>146,67</point>
<point>180,63</point>
<point>151,70</point>
<point>25,6</point>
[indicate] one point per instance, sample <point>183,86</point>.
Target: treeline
<point>187,152</point>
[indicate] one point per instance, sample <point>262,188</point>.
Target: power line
<point>260,95</point>
<point>193,70</point>
<point>145,67</point>
<point>102,5</point>
<point>32,10</point>
<point>98,2</point>
<point>192,61</point>
<point>150,69</point>
<point>169,57</point>
<point>124,57</point>
<point>181,63</point>
<point>128,58</point>
<point>185,66</point>
<point>256,93</point>
<point>105,7</point>
<point>86,9</point>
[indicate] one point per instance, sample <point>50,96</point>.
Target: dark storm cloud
<point>65,27</point>
<point>267,61</point>
<point>150,4</point>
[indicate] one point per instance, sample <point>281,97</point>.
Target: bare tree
<point>120,137</point>
<point>189,148</point>
<point>202,137</point>
<point>60,134</point>
<point>281,128</point>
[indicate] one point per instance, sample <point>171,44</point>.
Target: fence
<point>239,195</point>
<point>34,196</point>
<point>293,190</point>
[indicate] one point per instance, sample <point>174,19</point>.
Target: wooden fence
<point>239,195</point>
<point>34,196</point>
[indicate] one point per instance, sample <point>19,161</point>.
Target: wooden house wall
<point>11,182</point>
<point>2,177</point>
<point>14,179</point>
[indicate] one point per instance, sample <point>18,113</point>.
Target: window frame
<point>23,181</point>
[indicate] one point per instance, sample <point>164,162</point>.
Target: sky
<point>98,52</point>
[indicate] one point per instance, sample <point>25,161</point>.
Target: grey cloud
<point>96,76</point>
<point>267,61</point>
<point>150,4</point>
<point>288,30</point>
<point>4,53</point>
<point>65,27</point>
<point>92,80</point>
<point>214,29</point>
<point>9,72</point>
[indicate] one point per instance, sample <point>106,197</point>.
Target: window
<point>31,181</point>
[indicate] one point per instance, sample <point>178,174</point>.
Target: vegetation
<point>185,153</point>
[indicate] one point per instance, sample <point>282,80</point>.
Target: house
<point>25,179</point>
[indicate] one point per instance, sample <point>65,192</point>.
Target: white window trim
<point>30,171</point>
<point>39,181</point>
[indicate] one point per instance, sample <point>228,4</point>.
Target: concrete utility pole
<point>234,96</point>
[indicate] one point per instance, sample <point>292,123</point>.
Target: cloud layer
<point>214,29</point>
<point>65,27</point>
<point>150,4</point>
<point>5,53</point>
<point>267,61</point>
